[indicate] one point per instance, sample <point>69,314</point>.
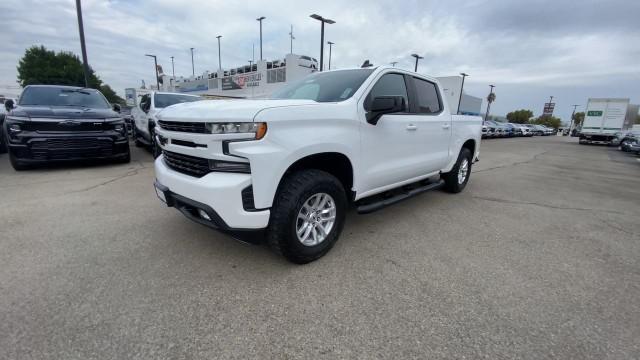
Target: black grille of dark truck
<point>54,149</point>
<point>186,164</point>
<point>190,127</point>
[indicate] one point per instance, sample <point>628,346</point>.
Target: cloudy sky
<point>529,49</point>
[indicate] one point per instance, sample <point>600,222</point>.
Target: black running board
<point>384,202</point>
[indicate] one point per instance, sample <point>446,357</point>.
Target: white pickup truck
<point>289,167</point>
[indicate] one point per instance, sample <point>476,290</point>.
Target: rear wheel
<point>307,216</point>
<point>456,180</point>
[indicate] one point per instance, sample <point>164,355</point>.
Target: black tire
<point>154,148</point>
<point>3,140</point>
<point>451,183</point>
<point>134,135</point>
<point>16,164</point>
<point>293,192</point>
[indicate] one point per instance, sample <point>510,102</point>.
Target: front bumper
<point>35,147</point>
<point>218,194</point>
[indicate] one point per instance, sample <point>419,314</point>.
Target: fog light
<point>204,215</point>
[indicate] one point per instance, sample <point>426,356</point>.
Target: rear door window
<point>427,94</point>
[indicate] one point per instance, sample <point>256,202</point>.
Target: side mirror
<point>384,105</point>
<point>8,104</point>
<point>116,107</point>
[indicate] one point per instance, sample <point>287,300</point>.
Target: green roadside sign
<point>594,113</point>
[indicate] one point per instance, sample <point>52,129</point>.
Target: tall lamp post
<point>219,58</point>
<point>260,20</point>
<point>330,46</point>
<point>85,63</point>
<point>291,38</point>
<point>193,68</point>
<point>322,22</point>
<point>393,63</point>
<point>418,57</point>
<point>155,61</point>
<point>461,89</point>
<point>489,101</point>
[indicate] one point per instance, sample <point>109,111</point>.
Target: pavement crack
<point>127,174</point>
<point>549,206</point>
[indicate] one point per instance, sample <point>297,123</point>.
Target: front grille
<point>68,148</point>
<point>190,127</point>
<point>66,125</point>
<point>186,164</point>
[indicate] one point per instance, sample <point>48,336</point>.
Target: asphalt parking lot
<point>538,258</point>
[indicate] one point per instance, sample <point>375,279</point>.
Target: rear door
<point>434,124</point>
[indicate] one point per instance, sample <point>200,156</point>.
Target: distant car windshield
<point>60,96</point>
<point>325,86</point>
<point>164,100</point>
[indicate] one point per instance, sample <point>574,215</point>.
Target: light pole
<point>219,58</point>
<point>461,89</point>
<point>393,63</point>
<point>291,38</point>
<point>85,63</point>
<point>173,69</point>
<point>250,63</point>
<point>155,60</point>
<point>322,22</point>
<point>418,57</point>
<point>260,20</point>
<point>330,46</point>
<point>193,68</point>
<point>489,101</point>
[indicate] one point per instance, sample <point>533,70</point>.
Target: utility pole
<point>193,68</point>
<point>418,57</point>
<point>551,101</point>
<point>486,116</point>
<point>260,20</point>
<point>572,114</point>
<point>291,38</point>
<point>330,46</point>
<point>155,61</point>
<point>322,22</point>
<point>461,89</point>
<point>85,63</point>
<point>219,58</point>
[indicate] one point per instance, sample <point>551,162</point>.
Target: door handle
<point>411,127</point>
<point>445,126</point>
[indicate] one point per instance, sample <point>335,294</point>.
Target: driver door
<point>393,149</point>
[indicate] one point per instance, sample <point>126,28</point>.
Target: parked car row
<point>493,129</point>
<point>627,141</point>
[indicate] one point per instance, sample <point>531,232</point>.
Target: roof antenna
<point>366,64</point>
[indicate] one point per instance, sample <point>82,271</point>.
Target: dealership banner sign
<point>548,108</point>
<point>241,81</point>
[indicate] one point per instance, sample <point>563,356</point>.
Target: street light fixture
<point>393,63</point>
<point>193,68</point>
<point>418,57</point>
<point>219,58</point>
<point>155,60</point>
<point>461,89</point>
<point>260,20</point>
<point>322,21</point>
<point>330,46</point>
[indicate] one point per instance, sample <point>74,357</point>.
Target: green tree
<point>520,116</point>
<point>578,118</point>
<point>42,66</point>
<point>548,121</point>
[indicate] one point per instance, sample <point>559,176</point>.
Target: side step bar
<point>384,202</point>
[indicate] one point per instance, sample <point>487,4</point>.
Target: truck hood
<point>63,112</point>
<point>225,110</point>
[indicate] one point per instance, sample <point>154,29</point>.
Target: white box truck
<point>606,117</point>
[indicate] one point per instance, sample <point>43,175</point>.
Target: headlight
<point>117,123</point>
<point>257,129</point>
<point>13,123</point>
<point>229,166</point>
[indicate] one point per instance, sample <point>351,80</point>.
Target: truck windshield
<point>164,100</point>
<point>60,96</point>
<point>325,86</point>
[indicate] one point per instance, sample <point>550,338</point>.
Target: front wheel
<point>307,216</point>
<point>456,179</point>
<point>155,148</point>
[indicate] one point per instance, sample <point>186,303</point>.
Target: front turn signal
<point>261,130</point>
